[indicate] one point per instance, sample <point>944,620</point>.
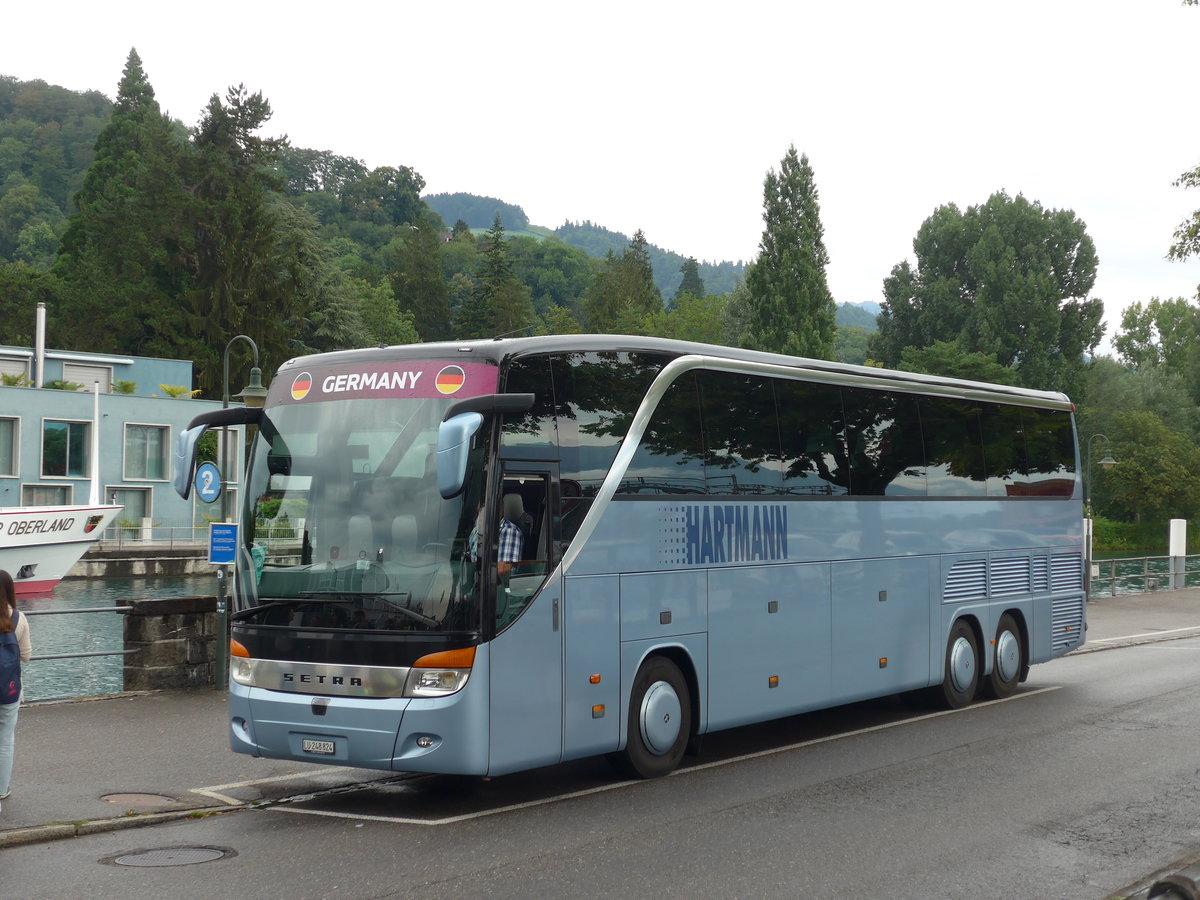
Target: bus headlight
<point>435,682</point>
<point>439,674</point>
<point>241,670</point>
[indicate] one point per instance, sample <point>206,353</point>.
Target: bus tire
<point>961,678</point>
<point>1008,662</point>
<point>660,721</point>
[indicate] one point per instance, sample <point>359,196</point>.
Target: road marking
<point>211,790</point>
<point>873,728</point>
<point>450,820</point>
<point>1132,637</point>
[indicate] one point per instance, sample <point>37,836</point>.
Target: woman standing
<point>14,650</point>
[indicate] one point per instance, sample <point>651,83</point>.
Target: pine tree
<point>501,303</point>
<point>126,255</point>
<point>624,297</point>
<point>791,309</point>
<point>258,260</point>
<point>639,294</point>
<point>415,273</point>
<point>692,283</point>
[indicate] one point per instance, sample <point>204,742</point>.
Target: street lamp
<point>254,394</point>
<point>1106,463</point>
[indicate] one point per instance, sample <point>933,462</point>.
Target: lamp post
<point>254,394</point>
<point>1106,463</point>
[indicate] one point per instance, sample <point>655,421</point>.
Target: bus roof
<point>499,349</point>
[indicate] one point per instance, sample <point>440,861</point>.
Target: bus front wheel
<point>961,678</point>
<point>660,721</point>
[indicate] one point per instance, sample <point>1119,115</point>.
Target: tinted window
<point>532,435</point>
<point>883,441</point>
<point>811,433</point>
<point>953,447</point>
<point>741,434</point>
<point>670,457</point>
<point>1003,447</point>
<point>596,396</point>
<point>1050,453</point>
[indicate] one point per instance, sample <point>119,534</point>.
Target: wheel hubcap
<point>962,664</point>
<point>660,716</point>
<point>1008,655</point>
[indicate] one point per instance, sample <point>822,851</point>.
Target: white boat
<point>39,544</point>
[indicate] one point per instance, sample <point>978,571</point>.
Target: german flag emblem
<point>92,522</point>
<point>450,379</point>
<point>301,386</point>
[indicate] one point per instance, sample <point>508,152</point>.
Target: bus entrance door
<point>526,655</point>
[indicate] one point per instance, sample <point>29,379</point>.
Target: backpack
<point>10,665</point>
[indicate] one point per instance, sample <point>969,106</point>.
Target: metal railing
<point>1141,574</point>
<point>63,612</point>
<point>164,536</point>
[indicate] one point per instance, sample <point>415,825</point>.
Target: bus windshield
<point>345,526</point>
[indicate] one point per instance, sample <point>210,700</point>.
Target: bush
<point>1137,538</point>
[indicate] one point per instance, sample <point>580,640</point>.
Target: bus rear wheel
<point>961,679</point>
<point>660,721</point>
<point>1009,661</point>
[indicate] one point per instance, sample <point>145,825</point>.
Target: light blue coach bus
<point>710,537</point>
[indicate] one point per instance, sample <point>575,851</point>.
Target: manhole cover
<point>138,799</point>
<point>170,856</point>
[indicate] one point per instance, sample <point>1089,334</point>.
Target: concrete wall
<point>175,641</point>
<point>130,562</point>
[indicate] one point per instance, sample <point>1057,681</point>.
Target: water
<point>90,632</point>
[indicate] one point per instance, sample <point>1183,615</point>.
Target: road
<point>1084,782</point>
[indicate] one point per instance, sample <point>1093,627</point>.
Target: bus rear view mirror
<point>185,446</point>
<point>453,449</point>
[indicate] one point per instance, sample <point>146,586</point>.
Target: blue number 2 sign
<point>208,482</point>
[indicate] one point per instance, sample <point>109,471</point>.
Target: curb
<point>1134,642</point>
<point>37,834</point>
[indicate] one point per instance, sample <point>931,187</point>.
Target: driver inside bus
<point>512,540</point>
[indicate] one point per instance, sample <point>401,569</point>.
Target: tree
<point>415,273</point>
<point>260,268</point>
<point>791,309</point>
<point>623,295</point>
<point>127,254</point>
<point>1158,472</point>
<point>558,320</point>
<point>951,360</point>
<point>692,283</point>
<point>22,287</point>
<point>1163,336</point>
<point>383,320</point>
<point>695,319</point>
<point>851,344</point>
<point>500,304</point>
<point>1006,278</point>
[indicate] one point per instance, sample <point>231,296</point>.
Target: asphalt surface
<point>102,764</point>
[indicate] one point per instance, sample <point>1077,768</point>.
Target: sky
<point>666,116</point>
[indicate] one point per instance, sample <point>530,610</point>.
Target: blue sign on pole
<point>208,482</point>
<point>222,543</point>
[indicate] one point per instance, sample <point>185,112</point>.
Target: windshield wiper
<point>290,601</point>
<point>348,596</point>
<point>340,597</point>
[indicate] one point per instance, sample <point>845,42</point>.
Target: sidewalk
<point>159,756</point>
<point>155,756</point>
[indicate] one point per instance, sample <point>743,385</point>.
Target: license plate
<point>323,747</point>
